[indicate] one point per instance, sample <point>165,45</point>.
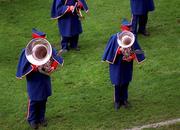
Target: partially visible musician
<point>68,14</point>
<point>121,65</point>
<point>139,10</point>
<point>38,84</point>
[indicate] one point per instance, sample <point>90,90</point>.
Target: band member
<point>68,14</point>
<point>140,9</point>
<point>38,84</point>
<point>121,65</point>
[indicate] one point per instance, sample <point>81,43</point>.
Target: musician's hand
<point>71,8</point>
<point>51,69</point>
<point>133,56</point>
<point>34,67</point>
<point>129,58</point>
<point>40,69</point>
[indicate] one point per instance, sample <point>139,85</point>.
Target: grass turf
<point>82,93</point>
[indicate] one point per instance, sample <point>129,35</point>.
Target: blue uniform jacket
<point>69,23</point>
<point>38,84</point>
<point>140,7</point>
<point>120,70</point>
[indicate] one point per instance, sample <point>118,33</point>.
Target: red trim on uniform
<point>34,35</point>
<point>54,64</point>
<point>34,67</point>
<point>80,5</point>
<point>119,51</point>
<point>133,56</point>
<point>68,9</point>
<point>124,27</point>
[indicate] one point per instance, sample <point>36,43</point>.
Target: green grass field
<point>82,93</point>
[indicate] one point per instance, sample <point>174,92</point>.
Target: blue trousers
<point>72,40</point>
<point>139,23</point>
<point>36,111</point>
<point>121,92</point>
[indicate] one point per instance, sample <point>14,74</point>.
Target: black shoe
<point>43,123</point>
<point>62,51</point>
<point>76,49</point>
<point>117,106</point>
<point>145,33</point>
<point>34,125</point>
<point>126,104</point>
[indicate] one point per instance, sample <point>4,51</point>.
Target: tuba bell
<point>125,39</point>
<point>38,51</point>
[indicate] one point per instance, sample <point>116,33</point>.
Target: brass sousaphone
<point>125,39</point>
<point>38,51</point>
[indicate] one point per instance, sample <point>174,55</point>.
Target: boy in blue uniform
<point>139,10</point>
<point>121,66</point>
<point>38,85</point>
<point>67,12</point>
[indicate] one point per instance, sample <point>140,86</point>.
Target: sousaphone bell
<point>38,51</point>
<point>125,39</point>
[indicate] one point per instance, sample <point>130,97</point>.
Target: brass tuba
<point>125,39</point>
<point>38,51</point>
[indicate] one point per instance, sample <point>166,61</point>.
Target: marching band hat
<point>125,25</point>
<point>38,34</point>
